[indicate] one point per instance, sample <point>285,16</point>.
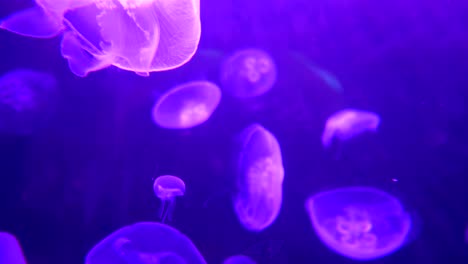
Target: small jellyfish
<point>145,243</point>
<point>10,249</point>
<point>142,36</point>
<point>260,179</point>
<point>248,73</point>
<point>239,259</point>
<point>348,123</point>
<point>187,105</point>
<point>361,223</point>
<point>26,100</point>
<point>167,188</point>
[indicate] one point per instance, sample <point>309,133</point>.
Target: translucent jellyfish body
<point>136,35</point>
<point>260,179</point>
<point>10,249</point>
<point>145,243</point>
<point>167,188</point>
<point>359,222</point>
<point>239,259</point>
<point>187,105</point>
<point>248,73</point>
<point>26,100</point>
<point>348,123</point>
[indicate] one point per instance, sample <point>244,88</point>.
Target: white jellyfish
<point>187,105</point>
<point>10,249</point>
<point>167,188</point>
<point>248,73</point>
<point>348,123</point>
<point>260,179</point>
<point>361,223</point>
<point>136,35</point>
<point>239,259</point>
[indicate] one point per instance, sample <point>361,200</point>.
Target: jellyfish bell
<point>10,249</point>
<point>239,259</point>
<point>361,223</point>
<point>187,105</point>
<point>167,188</point>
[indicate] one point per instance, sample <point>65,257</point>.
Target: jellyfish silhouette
<point>361,223</point>
<point>10,249</point>
<point>145,243</point>
<point>27,98</point>
<point>167,188</point>
<point>248,73</point>
<point>136,35</point>
<point>348,123</point>
<point>187,105</point>
<point>260,179</point>
<point>239,259</point>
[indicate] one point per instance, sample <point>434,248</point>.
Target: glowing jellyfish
<point>136,35</point>
<point>10,249</point>
<point>239,259</point>
<point>348,123</point>
<point>248,73</point>
<point>167,188</point>
<point>145,243</point>
<point>187,105</point>
<point>361,223</point>
<point>26,100</point>
<point>260,179</point>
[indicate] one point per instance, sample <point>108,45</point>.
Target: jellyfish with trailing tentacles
<point>167,188</point>
<point>248,73</point>
<point>187,105</point>
<point>348,123</point>
<point>142,36</point>
<point>239,259</point>
<point>10,249</point>
<point>258,199</point>
<point>361,223</point>
<point>145,243</point>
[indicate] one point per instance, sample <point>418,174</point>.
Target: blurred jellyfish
<point>26,100</point>
<point>248,73</point>
<point>10,249</point>
<point>260,179</point>
<point>167,188</point>
<point>145,243</point>
<point>359,222</point>
<point>348,123</point>
<point>136,35</point>
<point>239,259</point>
<point>187,105</point>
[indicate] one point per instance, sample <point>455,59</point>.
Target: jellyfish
<point>145,243</point>
<point>258,199</point>
<point>167,188</point>
<point>248,73</point>
<point>10,249</point>
<point>142,36</point>
<point>361,223</point>
<point>187,105</point>
<point>348,123</point>
<point>239,259</point>
<point>26,100</point>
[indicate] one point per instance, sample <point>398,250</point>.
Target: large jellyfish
<point>10,249</point>
<point>248,73</point>
<point>167,188</point>
<point>187,105</point>
<point>348,123</point>
<point>239,259</point>
<point>361,223</point>
<point>26,100</point>
<point>145,243</point>
<point>259,180</point>
<point>136,35</point>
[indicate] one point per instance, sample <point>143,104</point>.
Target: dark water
<point>89,170</point>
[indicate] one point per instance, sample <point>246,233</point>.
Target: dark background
<point>88,170</point>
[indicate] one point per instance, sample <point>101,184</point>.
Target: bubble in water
<point>187,105</point>
<point>359,222</point>
<point>167,188</point>
<point>259,180</point>
<point>248,73</point>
